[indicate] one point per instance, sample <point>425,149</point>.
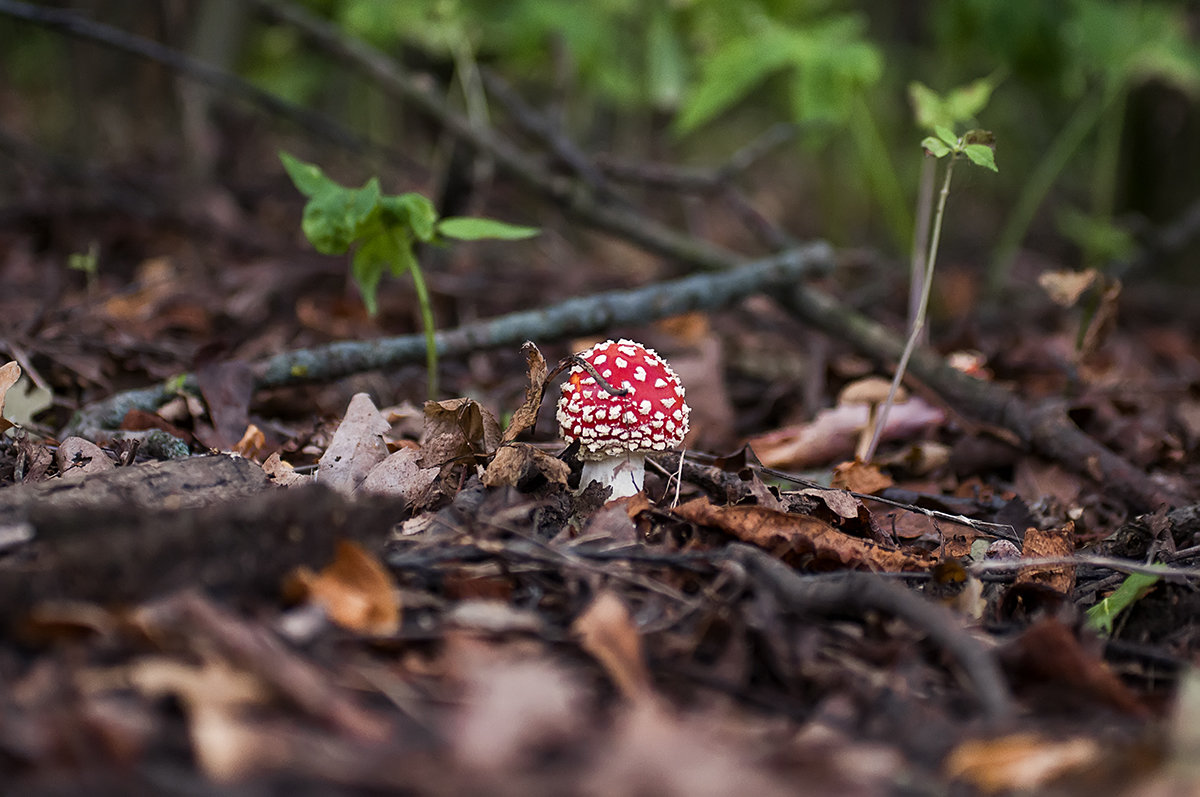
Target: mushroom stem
<point>624,473</point>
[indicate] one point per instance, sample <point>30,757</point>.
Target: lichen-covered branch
<point>581,316</point>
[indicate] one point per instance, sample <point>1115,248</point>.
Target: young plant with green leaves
<point>383,230</point>
<point>977,147</point>
<point>953,109</point>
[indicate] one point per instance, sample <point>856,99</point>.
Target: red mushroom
<point>644,412</point>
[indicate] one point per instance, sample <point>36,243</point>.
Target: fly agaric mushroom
<point>643,411</point>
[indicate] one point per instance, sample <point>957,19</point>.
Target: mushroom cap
<point>652,416</point>
<point>869,390</point>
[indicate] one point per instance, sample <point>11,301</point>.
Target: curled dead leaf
<point>526,415</point>
<point>356,591</point>
<point>457,428</point>
<point>607,631</point>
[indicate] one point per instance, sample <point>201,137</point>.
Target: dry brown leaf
<point>606,631</point>
<point>517,462</point>
<point>77,458</point>
<point>9,374</point>
<point>526,415</point>
<point>1049,544</point>
<point>800,535</point>
<point>840,502</point>
<point>455,428</point>
<point>860,477</point>
<point>400,475</point>
<point>356,447</point>
<point>1020,762</point>
<point>356,591</point>
<point>282,473</point>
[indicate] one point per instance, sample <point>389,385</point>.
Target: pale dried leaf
<point>77,458</point>
<point>9,374</point>
<point>282,473</point>
<point>401,475</point>
<point>357,446</point>
<point>1065,287</point>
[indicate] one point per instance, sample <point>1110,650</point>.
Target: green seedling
<point>1135,587</point>
<point>977,146</point>
<point>383,230</point>
<point>956,107</point>
<point>88,262</point>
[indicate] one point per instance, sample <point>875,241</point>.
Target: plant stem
<point>431,354</point>
<point>916,284</point>
<point>918,323</point>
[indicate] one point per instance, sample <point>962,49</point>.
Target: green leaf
<point>965,102</point>
<point>308,179</point>
<point>947,136</point>
<point>473,229</point>
<point>981,155</point>
<point>1135,587</point>
<point>935,147</point>
<point>417,213</point>
<point>337,216</point>
<point>384,250</point>
<point>959,105</point>
<point>730,74</point>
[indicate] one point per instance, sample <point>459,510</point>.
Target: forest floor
<point>440,610</point>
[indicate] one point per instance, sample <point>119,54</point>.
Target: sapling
<point>383,230</point>
<point>977,146</point>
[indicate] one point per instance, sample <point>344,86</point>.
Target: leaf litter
<point>440,610</point>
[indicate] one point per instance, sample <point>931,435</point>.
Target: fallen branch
<point>857,593</point>
<point>1043,427</point>
<point>81,27</point>
<point>574,317</point>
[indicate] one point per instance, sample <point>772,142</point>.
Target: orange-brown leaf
<point>798,536</point>
<point>355,590</point>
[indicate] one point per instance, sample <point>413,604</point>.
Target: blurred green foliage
<point>707,72</point>
<point>704,76</point>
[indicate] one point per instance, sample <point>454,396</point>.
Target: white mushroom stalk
<point>641,410</point>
